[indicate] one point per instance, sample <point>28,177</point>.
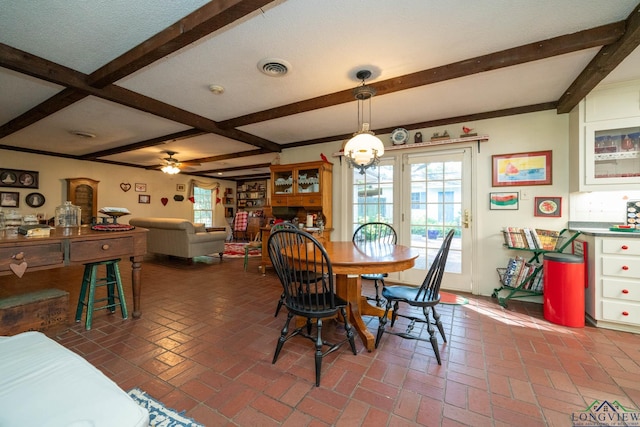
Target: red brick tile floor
<point>206,338</point>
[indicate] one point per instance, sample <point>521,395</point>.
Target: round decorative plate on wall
<point>399,136</point>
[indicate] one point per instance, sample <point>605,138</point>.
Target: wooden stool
<point>89,283</point>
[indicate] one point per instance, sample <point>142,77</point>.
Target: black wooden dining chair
<point>298,258</point>
<point>374,233</point>
<point>274,228</point>
<point>425,297</point>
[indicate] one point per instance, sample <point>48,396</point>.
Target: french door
<point>436,189</point>
<point>422,195</point>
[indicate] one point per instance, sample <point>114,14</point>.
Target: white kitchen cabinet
<point>604,140</point>
<point>613,291</point>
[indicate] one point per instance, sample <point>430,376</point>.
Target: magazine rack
<point>531,284</point>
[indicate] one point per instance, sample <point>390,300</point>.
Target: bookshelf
<point>523,275</point>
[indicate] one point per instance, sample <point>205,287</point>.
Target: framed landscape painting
<point>504,201</point>
<point>532,168</point>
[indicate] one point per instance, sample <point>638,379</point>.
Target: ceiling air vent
<point>274,67</point>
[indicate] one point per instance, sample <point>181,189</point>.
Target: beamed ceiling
<point>136,76</point>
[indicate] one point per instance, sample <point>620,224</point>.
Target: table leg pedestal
<point>349,287</point>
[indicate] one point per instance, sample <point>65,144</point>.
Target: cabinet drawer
<point>626,290</point>
<point>311,201</point>
<point>33,255</point>
<point>279,201</point>
<point>621,266</point>
<point>621,246</point>
<point>89,250</point>
<point>626,312</point>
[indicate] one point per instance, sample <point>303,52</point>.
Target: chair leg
<point>349,331</point>
<point>436,317</point>
<point>92,292</point>
<point>246,257</point>
<point>86,278</point>
<point>279,304</point>
<point>382,322</point>
<point>121,299</point>
<point>432,335</point>
<point>318,351</point>
<point>283,337</point>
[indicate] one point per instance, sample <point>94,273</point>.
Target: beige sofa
<point>180,238</point>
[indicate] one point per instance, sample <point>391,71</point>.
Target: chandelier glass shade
<point>364,149</point>
<point>170,169</point>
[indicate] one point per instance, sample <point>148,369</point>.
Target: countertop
<point>601,229</point>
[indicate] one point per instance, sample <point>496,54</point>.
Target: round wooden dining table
<point>349,262</point>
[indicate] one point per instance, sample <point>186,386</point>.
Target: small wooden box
<point>35,311</point>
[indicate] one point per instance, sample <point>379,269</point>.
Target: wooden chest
<point>35,311</point>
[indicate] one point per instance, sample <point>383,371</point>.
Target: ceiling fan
<point>172,165</point>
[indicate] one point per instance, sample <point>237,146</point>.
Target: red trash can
<point>563,289</point>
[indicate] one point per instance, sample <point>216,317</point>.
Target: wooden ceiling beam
<point>190,133</point>
<point>609,57</point>
<point>209,18</point>
<point>200,23</point>
<point>26,63</point>
<point>52,105</point>
<point>237,168</point>
<point>555,46</point>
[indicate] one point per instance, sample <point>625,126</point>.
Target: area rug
<point>159,416</point>
<point>236,250</point>
<point>447,298</point>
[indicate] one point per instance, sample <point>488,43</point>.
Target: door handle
<point>467,218</point>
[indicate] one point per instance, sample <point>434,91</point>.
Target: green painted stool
<point>90,282</point>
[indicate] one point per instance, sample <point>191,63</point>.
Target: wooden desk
<point>73,246</point>
<point>349,263</point>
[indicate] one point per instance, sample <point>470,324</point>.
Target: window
<point>373,195</point>
<point>202,206</point>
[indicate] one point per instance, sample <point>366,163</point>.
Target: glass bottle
<point>67,215</point>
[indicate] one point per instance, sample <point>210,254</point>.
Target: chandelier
<point>170,169</point>
<point>364,149</point>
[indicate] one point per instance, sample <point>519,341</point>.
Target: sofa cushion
<point>178,237</point>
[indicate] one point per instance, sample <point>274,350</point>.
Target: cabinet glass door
<point>308,180</point>
<point>613,152</point>
<point>283,182</point>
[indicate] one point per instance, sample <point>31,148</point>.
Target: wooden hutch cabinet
<point>305,188</point>
<point>303,185</point>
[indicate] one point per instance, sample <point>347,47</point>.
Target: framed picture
<point>18,178</point>
<point>144,198</point>
<point>9,199</point>
<point>35,200</point>
<point>548,206</point>
<point>180,187</point>
<point>521,169</point>
<point>504,201</point>
<point>141,188</point>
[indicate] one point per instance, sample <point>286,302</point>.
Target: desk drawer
<point>621,246</point>
<point>621,266</point>
<point>626,312</point>
<point>624,290</point>
<point>34,255</point>
<point>92,250</point>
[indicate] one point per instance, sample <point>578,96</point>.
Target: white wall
<point>53,171</point>
<point>528,132</point>
<point>523,133</point>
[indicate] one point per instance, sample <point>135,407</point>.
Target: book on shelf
<point>548,239</point>
<point>529,238</point>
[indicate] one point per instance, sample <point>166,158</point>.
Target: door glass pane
<point>373,195</point>
<point>436,205</point>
